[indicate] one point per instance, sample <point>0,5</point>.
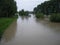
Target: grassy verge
<point>4,23</point>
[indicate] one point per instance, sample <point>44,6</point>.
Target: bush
<point>23,13</point>
<point>39,15</point>
<point>55,17</point>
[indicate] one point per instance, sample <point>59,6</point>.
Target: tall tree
<point>48,7</point>
<point>7,8</point>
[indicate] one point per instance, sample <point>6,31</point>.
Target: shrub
<point>55,17</point>
<point>39,15</point>
<point>23,13</point>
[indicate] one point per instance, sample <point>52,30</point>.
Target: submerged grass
<point>4,23</point>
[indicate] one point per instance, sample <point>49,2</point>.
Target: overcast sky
<point>28,4</point>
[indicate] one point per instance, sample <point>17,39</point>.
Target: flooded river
<point>31,31</point>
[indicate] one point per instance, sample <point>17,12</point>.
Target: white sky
<point>28,5</point>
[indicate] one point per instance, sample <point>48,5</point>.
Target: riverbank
<point>4,23</point>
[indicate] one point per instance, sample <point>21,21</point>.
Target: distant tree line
<point>23,13</point>
<point>48,7</point>
<point>8,8</point>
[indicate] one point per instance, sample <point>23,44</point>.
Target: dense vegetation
<point>8,8</point>
<point>48,8</point>
<point>39,15</point>
<point>23,13</point>
<point>55,17</point>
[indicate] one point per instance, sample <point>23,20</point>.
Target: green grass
<point>4,23</point>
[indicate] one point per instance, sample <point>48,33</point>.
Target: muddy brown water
<point>31,31</point>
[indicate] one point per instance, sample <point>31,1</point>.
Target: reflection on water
<point>53,26</point>
<point>31,31</point>
<point>24,17</point>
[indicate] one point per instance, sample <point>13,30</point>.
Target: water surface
<point>31,31</point>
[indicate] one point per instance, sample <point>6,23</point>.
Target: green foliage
<point>39,15</point>
<point>55,17</point>
<point>8,8</point>
<point>4,23</point>
<point>48,7</point>
<point>23,13</point>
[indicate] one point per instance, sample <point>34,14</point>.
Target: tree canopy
<point>48,7</point>
<point>8,8</point>
<point>23,13</point>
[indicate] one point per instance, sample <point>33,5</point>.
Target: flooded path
<point>30,31</point>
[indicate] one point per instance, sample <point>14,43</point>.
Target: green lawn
<point>4,23</point>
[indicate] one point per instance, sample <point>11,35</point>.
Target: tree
<point>23,13</point>
<point>48,7</point>
<point>8,8</point>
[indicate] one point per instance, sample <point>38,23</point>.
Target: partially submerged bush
<point>23,13</point>
<point>39,15</point>
<point>55,17</point>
